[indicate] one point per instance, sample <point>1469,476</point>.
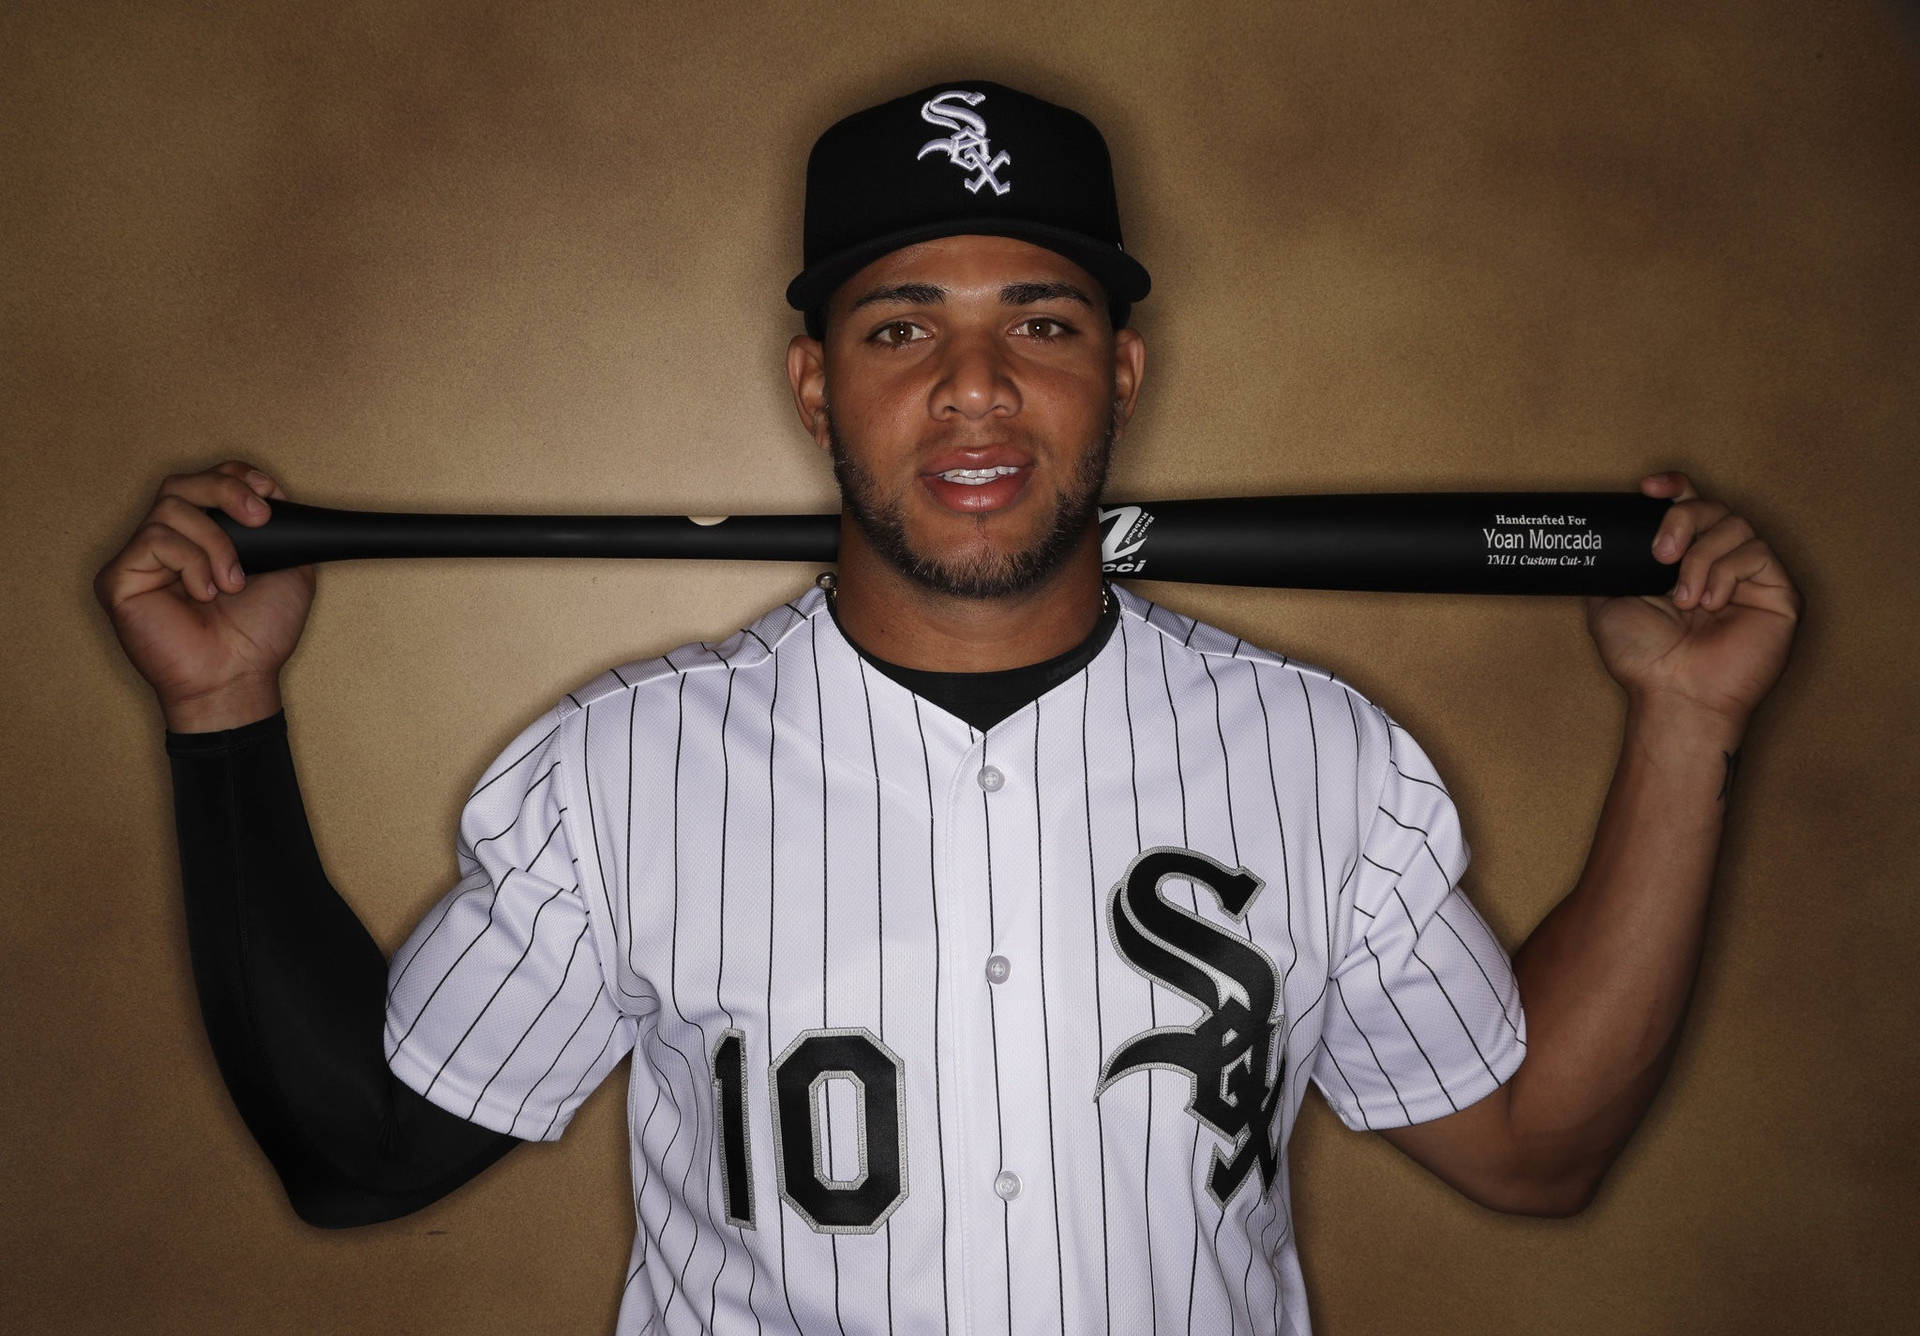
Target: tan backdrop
<point>531,256</point>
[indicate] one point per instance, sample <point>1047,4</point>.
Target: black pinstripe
<point>933,904</point>
<point>1099,1022</point>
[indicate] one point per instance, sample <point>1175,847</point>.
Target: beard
<point>989,574</point>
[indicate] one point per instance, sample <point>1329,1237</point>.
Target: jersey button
<point>991,779</point>
<point>998,968</point>
<point>1007,1184</point>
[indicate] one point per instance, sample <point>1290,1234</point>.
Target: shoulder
<point>1278,674</point>
<point>753,647</point>
<point>573,731</point>
<point>1306,712</point>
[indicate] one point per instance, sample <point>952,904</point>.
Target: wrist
<point>230,705</point>
<point>1670,723</point>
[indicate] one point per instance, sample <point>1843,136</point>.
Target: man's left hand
<point>1719,639</point>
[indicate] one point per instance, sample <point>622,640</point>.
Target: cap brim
<point>1124,278</point>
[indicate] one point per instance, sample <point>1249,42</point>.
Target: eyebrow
<point>1025,294</point>
<point>1013,294</point>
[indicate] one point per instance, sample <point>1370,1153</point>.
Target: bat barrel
<point>1408,542</point>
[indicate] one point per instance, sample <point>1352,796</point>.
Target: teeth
<point>975,477</point>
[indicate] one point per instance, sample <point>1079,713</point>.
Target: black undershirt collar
<point>984,699</point>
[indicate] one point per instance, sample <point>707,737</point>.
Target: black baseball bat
<point>1405,542</point>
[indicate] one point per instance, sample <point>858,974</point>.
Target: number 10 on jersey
<point>797,1082</point>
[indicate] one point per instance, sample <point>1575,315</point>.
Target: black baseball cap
<point>965,157</point>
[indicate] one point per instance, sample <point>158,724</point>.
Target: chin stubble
<point>986,575</point>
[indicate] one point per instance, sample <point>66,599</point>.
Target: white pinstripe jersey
<point>937,1030</point>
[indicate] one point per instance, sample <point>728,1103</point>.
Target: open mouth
<point>977,477</point>
<point>975,490</point>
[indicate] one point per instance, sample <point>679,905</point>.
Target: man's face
<point>969,391</point>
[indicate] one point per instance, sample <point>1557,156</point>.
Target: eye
<point>897,332</point>
<point>1044,327</point>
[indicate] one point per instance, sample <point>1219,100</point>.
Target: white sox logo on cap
<point>967,147</point>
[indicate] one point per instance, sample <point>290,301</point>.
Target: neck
<point>895,619</point>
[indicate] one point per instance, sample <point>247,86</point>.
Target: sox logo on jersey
<point>1229,1054</point>
<point>942,1030</point>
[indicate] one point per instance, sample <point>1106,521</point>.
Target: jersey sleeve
<point>497,1008</point>
<point>1424,1013</point>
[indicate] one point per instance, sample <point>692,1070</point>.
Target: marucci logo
<point>1125,534</point>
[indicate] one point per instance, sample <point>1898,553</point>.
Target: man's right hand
<point>210,639</point>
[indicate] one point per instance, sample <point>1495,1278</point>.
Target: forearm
<point>292,990</point>
<point>1606,977</point>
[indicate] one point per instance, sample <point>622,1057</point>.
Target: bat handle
<point>297,534</point>
<point>294,535</point>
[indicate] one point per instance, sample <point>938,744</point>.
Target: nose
<point>975,380</point>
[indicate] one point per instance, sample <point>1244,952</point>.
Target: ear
<point>1129,366</point>
<point>807,374</point>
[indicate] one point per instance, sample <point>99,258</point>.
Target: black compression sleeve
<point>293,992</point>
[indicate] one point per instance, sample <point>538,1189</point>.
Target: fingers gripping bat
<point>1407,542</point>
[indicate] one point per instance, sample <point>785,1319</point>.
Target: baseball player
<point>975,927</point>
